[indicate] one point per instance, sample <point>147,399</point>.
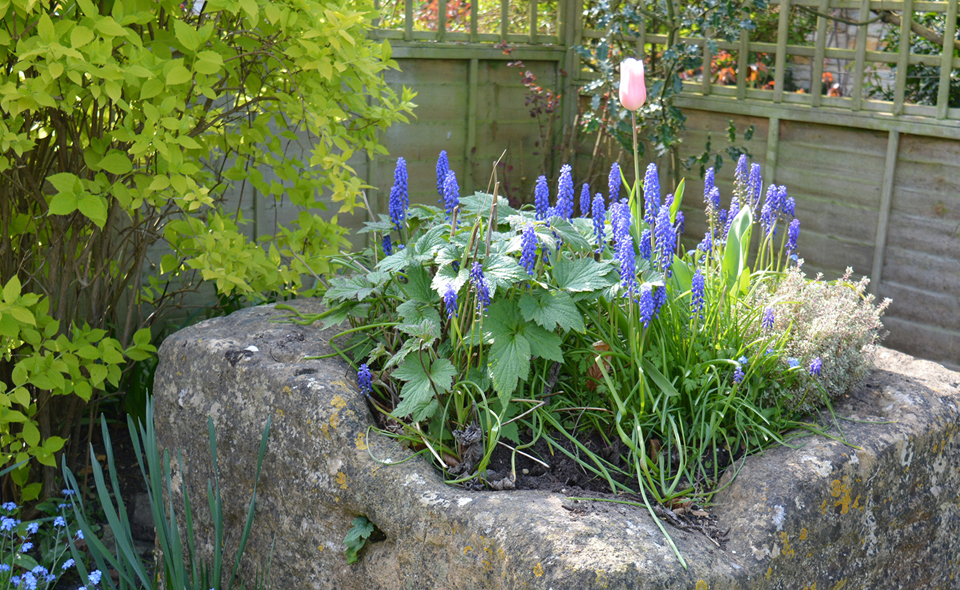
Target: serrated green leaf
<point>345,288</point>
<point>550,308</point>
<point>362,529</point>
<point>430,243</point>
<point>544,344</point>
<point>569,236</point>
<point>22,315</point>
<point>446,275</point>
<point>418,285</point>
<point>584,274</point>
<point>426,329</point>
<point>178,75</point>
<point>397,261</point>
<point>414,312</point>
<point>509,362</point>
<point>502,272</point>
<point>418,392</point>
<point>186,35</point>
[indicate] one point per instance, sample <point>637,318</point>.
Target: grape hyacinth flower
<point>481,285</point>
<point>651,194</point>
<point>613,183</point>
<point>681,219</point>
<point>659,299</point>
<point>713,200</point>
<point>450,301</point>
<point>387,245</point>
<point>768,319</point>
<point>528,254</point>
<point>620,220</point>
<point>731,215</point>
<point>697,287</point>
<point>541,197</point>
<point>789,205</point>
<point>740,175</point>
<point>815,366</point>
<point>646,305</point>
<point>585,200</point>
<point>628,265</point>
<point>793,362</point>
<point>770,211</point>
<point>706,245</point>
<point>599,219</point>
<point>451,193</point>
<point>443,166</point>
<point>645,247</point>
<point>738,375</point>
<point>754,186</point>
<point>399,197</point>
<point>666,239</point>
<point>709,183</point>
<point>565,192</point>
<point>793,232</point>
<point>365,380</point>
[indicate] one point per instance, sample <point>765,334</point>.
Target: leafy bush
<point>125,123</point>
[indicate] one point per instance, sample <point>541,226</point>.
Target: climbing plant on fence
<point>123,123</point>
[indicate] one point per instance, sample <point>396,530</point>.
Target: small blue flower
<point>29,581</point>
<point>599,215</point>
<point>450,301</point>
<point>26,547</point>
<point>645,246</point>
<point>33,527</point>
<point>451,193</point>
<point>94,577</point>
<point>789,205</point>
<point>387,245</point>
<point>399,197</point>
<point>67,564</point>
<point>4,567</point>
<point>794,363</point>
<point>620,220</point>
<point>481,285</point>
<point>768,319</point>
<point>713,199</point>
<point>659,299</point>
<point>528,251</point>
<point>815,366</point>
<point>743,361</point>
<point>793,232</point>
<point>666,239</point>
<point>628,264</point>
<point>59,521</point>
<point>706,244</point>
<point>79,535</point>
<point>9,506</point>
<point>651,194</point>
<point>565,192</point>
<point>681,219</point>
<point>697,288</point>
<point>754,186</point>
<point>646,305</point>
<point>68,492</point>
<point>737,375</point>
<point>709,183</point>
<point>365,379</point>
<point>740,176</point>
<point>15,580</point>
<point>443,166</point>
<point>541,198</point>
<point>62,506</point>
<point>7,524</point>
<point>40,571</point>
<point>585,201</point>
<point>614,182</point>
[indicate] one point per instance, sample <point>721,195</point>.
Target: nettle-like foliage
<point>469,321</point>
<point>125,122</point>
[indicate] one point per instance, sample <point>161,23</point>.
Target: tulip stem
<point>636,161</point>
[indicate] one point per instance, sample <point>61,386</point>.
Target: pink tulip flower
<point>633,90</point>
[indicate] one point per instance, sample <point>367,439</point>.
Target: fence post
<point>886,196</point>
<point>903,59</point>
<point>946,60</point>
<point>816,76</point>
<point>469,149</point>
<point>773,149</point>
<point>783,29</point>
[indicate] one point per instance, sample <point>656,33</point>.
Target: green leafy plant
<point>127,125</point>
<point>181,566</point>
<point>357,537</point>
<point>487,324</point>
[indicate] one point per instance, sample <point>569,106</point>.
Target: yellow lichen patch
<point>701,585</point>
<point>840,584</point>
<point>840,489</point>
<point>286,390</point>
<point>856,503</point>
<point>811,587</point>
<point>601,578</point>
<point>787,550</point>
<point>361,441</point>
<point>338,402</point>
<point>823,507</point>
<point>279,411</point>
<point>342,480</point>
<point>467,549</point>
<point>334,420</point>
<point>538,570</point>
<point>769,572</point>
<point>341,384</point>
<point>803,534</point>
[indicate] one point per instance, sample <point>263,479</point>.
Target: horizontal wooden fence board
<point>936,274</point>
<point>937,237</point>
<point>923,340</point>
<point>922,306</point>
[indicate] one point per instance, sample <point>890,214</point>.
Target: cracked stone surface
<point>825,516</point>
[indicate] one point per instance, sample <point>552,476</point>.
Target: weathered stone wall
<point>883,516</point>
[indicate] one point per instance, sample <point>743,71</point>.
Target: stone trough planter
<point>822,516</point>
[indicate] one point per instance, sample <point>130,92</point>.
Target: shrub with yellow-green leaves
<point>123,123</point>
